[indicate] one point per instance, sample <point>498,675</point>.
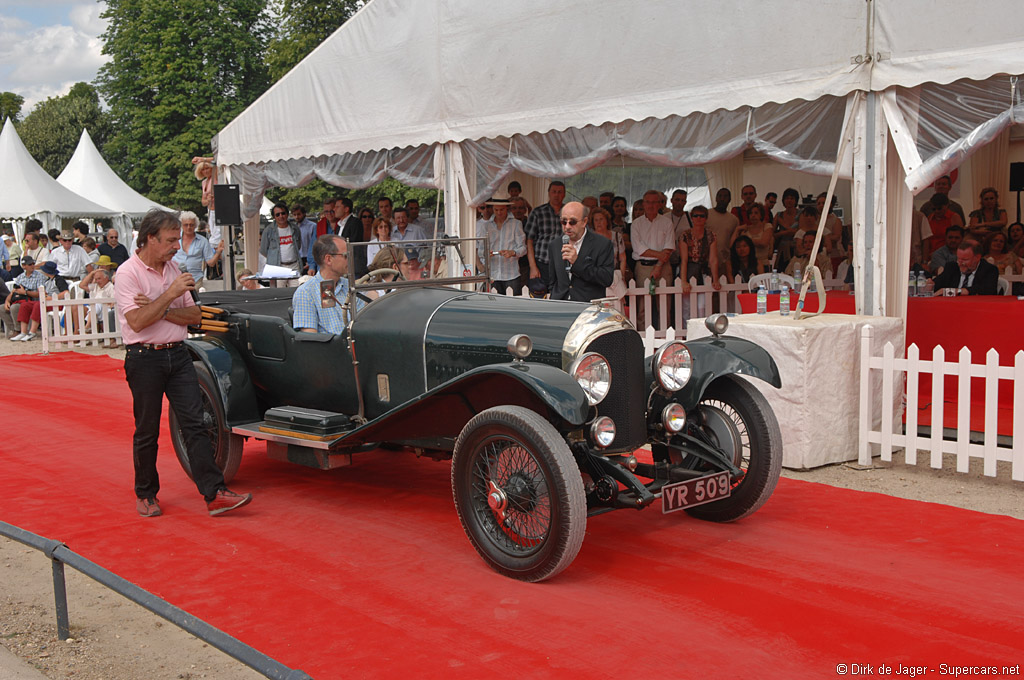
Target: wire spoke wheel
<point>739,421</point>
<point>518,493</point>
<point>511,496</point>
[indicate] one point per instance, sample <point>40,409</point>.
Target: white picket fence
<point>912,368</point>
<point>672,303</point>
<point>64,321</point>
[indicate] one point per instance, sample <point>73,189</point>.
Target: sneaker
<point>227,500</point>
<point>28,336</point>
<point>148,507</point>
<point>18,337</point>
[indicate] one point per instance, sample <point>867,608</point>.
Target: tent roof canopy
<point>404,74</point>
<point>88,174</point>
<point>26,189</point>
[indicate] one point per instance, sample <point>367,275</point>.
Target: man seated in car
<point>317,308</point>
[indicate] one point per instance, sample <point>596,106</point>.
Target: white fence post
<point>1017,471</point>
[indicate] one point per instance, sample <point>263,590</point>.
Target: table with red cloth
<point>979,323</point>
<point>836,302</point>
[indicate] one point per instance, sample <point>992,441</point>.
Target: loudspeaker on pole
<point>228,212</point>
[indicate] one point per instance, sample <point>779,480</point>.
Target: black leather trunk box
<point>311,421</point>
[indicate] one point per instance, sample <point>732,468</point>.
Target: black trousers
<point>151,374</point>
<point>501,287</point>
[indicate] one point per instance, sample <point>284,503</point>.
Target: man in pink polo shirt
<point>154,308</point>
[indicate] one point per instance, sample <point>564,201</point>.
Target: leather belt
<point>163,345</point>
<point>647,263</point>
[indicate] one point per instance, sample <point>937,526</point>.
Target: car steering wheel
<point>376,272</point>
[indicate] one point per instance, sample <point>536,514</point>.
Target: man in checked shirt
<point>507,244</point>
<point>541,226</point>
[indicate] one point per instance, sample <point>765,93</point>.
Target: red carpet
<point>365,571</point>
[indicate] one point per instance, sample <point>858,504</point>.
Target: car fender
<point>724,355</point>
<point>444,410</point>
<point>230,376</point>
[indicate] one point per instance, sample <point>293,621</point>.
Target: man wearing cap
<point>319,308</point>
<point>113,248</point>
<point>71,258</point>
<point>583,268</point>
<point>13,252</point>
<point>154,310</point>
<point>54,284</point>
<point>507,243</point>
<point>26,287</point>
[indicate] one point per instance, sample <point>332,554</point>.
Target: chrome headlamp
<point>673,366</point>
<point>602,432</point>
<point>594,375</point>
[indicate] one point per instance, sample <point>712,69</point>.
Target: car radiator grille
<point>627,402</point>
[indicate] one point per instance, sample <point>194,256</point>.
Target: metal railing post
<point>60,600</point>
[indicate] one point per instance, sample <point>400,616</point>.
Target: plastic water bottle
<point>773,285</point>
<point>912,285</point>
<point>650,286</point>
<point>798,275</point>
<point>922,283</point>
<point>762,300</point>
<point>784,301</point>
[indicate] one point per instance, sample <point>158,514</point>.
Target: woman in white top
<point>381,234</point>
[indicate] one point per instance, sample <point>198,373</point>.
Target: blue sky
<point>46,46</point>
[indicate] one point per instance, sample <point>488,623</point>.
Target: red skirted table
<point>836,302</point>
<point>978,323</point>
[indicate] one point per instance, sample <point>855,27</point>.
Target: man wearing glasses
<point>71,258</point>
<point>318,303</point>
<point>581,269</point>
<point>281,242</point>
<point>113,248</point>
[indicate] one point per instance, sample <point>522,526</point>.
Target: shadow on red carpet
<point>365,572</point>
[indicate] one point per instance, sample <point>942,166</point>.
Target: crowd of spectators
<point>68,263</point>
<point>965,255</point>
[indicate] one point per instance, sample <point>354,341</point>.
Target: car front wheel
<point>740,421</point>
<point>227,447</point>
<point>519,493</point>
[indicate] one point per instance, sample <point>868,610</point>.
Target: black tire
<point>227,447</point>
<point>740,419</point>
<point>539,493</point>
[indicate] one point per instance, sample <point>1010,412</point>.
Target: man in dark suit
<point>583,268</point>
<point>972,275</point>
<point>350,227</point>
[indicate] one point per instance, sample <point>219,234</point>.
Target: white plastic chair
<point>1003,287</point>
<point>841,270</point>
<point>756,281</point>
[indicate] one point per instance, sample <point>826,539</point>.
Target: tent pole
<point>866,286</point>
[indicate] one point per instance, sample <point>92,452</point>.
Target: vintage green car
<point>542,406</point>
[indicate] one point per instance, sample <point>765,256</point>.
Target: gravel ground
<point>114,639</point>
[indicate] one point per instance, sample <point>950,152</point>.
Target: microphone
<point>565,242</point>
<point>184,270</point>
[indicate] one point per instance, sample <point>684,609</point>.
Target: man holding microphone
<point>155,306</point>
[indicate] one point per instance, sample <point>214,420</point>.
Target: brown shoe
<point>227,500</point>
<point>148,507</point>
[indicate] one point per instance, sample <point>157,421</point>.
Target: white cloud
<point>45,61</point>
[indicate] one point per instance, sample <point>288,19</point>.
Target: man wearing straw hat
<point>507,243</point>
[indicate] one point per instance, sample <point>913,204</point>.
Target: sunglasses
<point>280,214</point>
<point>571,221</point>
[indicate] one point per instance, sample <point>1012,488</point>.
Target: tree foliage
<point>304,24</point>
<point>312,195</point>
<point>52,130</point>
<point>178,73</point>
<point>10,106</point>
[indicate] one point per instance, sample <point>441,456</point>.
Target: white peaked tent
<point>89,175</point>
<point>456,94</point>
<point>26,190</point>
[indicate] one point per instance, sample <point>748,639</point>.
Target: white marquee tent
<point>89,175</point>
<point>26,190</point>
<point>456,94</point>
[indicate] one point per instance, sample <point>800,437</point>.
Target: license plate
<point>695,492</point>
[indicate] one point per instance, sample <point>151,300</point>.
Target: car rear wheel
<point>739,419</point>
<point>227,447</point>
<point>518,493</point>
